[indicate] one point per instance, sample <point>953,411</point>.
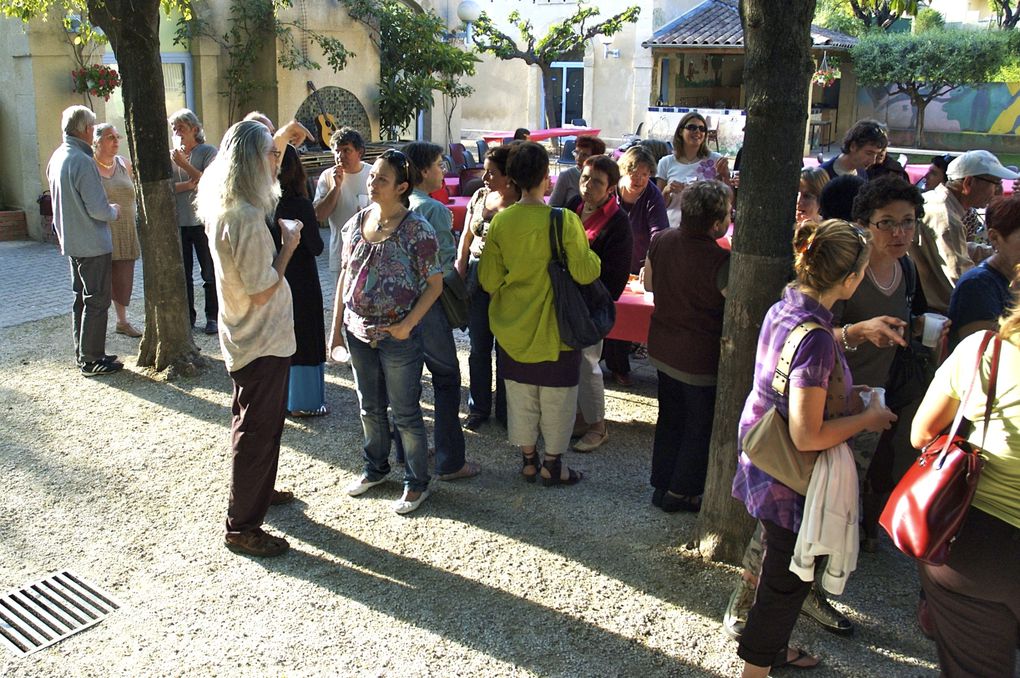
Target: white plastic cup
<point>933,324</point>
<point>340,354</point>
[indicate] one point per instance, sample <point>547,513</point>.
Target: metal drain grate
<point>45,612</point>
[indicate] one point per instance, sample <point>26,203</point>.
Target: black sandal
<point>554,466</point>
<point>782,661</point>
<point>530,460</point>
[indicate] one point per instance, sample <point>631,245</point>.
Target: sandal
<point>783,660</point>
<point>554,465</point>
<point>529,461</point>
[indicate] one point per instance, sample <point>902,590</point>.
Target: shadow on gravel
<point>489,620</point>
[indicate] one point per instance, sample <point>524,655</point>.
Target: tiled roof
<point>716,23</point>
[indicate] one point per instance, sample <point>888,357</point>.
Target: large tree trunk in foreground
<point>133,29</point>
<point>777,67</point>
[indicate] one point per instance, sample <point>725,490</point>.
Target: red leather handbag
<point>925,512</point>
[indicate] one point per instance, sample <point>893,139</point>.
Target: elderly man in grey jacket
<point>81,213</point>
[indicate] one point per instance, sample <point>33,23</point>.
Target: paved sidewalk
<point>35,282</point>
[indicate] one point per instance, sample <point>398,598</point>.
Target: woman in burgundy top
<point>687,271</point>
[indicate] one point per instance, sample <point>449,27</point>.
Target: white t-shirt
<point>671,169</point>
<point>347,205</point>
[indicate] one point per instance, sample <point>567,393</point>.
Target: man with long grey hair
<point>81,213</point>
<point>237,193</point>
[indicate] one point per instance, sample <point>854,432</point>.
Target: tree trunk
<point>777,70</point>
<point>133,29</point>
<point>919,104</point>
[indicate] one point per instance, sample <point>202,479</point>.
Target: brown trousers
<point>974,599</point>
<point>258,409</point>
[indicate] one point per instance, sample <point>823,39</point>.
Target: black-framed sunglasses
<point>691,127</point>
<point>399,157</point>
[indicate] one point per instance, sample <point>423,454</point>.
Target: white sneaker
<point>362,485</point>
<point>403,506</point>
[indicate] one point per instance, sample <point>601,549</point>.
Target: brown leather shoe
<point>281,497</point>
<point>256,543</point>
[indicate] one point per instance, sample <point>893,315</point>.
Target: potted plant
<point>95,80</point>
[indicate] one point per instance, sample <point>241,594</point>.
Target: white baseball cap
<point>974,163</point>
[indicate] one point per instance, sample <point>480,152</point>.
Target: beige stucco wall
<point>35,74</point>
<point>360,77</point>
<point>508,93</point>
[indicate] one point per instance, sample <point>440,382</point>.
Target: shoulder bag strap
<point>958,419</point>
<point>780,380</point>
<point>556,236</point>
<point>993,378</point>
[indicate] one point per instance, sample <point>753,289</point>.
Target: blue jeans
<point>441,359</point>
<point>480,358</point>
<point>389,374</point>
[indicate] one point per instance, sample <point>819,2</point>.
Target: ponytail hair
<point>826,253</point>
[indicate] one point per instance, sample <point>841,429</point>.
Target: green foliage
<point>560,39</point>
<point>931,64</point>
<point>928,19</point>
<point>252,24</point>
<point>414,60</point>
<point>836,15</point>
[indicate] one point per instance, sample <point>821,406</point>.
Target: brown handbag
<point>768,444</point>
<point>925,512</point>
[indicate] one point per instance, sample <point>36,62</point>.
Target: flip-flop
<point>469,470</point>
<point>782,661</point>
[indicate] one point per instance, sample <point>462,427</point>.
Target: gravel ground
<point>124,480</point>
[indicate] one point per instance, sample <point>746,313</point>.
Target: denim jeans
<point>480,358</point>
<point>389,374</point>
<point>194,238</point>
<point>441,359</point>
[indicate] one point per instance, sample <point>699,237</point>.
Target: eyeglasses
<point>400,158</point>
<point>993,182</point>
<point>445,166</point>
<point>696,128</point>
<point>580,153</point>
<point>904,226</point>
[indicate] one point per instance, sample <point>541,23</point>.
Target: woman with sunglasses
<point>390,276</point>
<point>830,260</point>
<point>691,161</point>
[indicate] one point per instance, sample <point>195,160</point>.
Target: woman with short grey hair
<point>190,158</point>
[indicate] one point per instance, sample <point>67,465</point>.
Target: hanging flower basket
<point>825,76</point>
<point>95,80</point>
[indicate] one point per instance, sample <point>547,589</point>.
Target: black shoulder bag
<point>584,313</point>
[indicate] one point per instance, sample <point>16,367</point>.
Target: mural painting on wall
<point>991,108</point>
<point>342,104</point>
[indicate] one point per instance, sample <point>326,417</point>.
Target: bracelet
<point>846,345</point>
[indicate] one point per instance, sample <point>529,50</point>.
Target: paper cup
<point>933,324</point>
<point>340,354</point>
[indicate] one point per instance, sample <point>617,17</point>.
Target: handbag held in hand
<point>768,443</point>
<point>925,512</point>
<point>584,313</point>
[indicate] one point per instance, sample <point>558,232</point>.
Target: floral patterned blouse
<point>383,280</point>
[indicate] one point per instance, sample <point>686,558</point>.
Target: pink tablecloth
<point>543,134</point>
<point>633,317</point>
